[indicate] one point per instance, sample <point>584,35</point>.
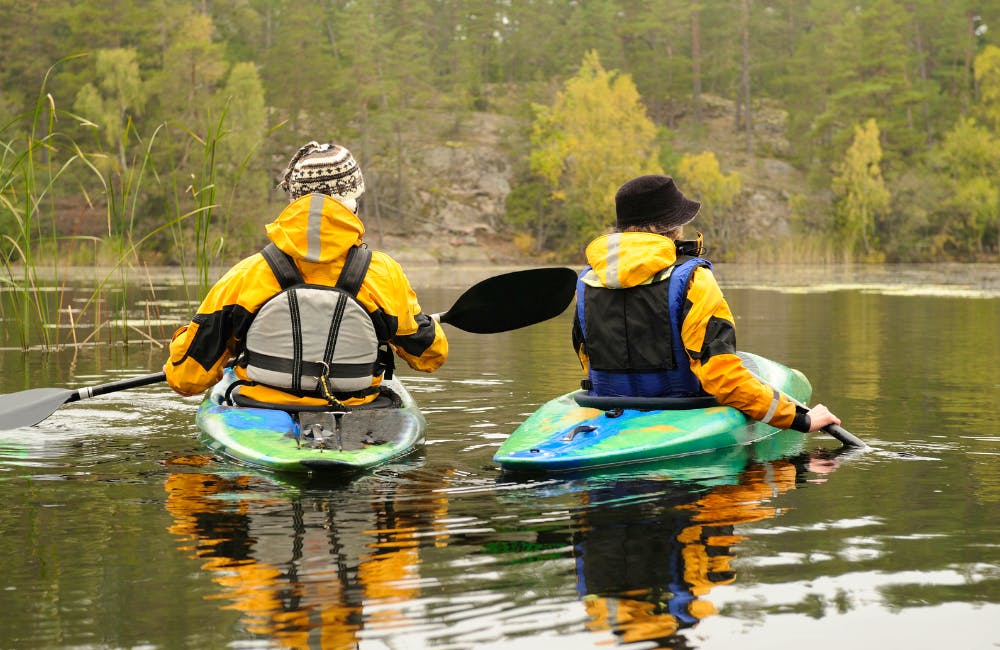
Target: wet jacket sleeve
<point>416,337</point>
<point>709,336</point>
<point>200,350</point>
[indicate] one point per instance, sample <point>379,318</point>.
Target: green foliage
<point>193,66</point>
<point>30,170</point>
<point>165,80</point>
<point>967,165</point>
<point>987,68</point>
<point>525,204</point>
<point>862,196</point>
<point>117,95</point>
<point>701,178</point>
<point>240,167</point>
<point>595,136</point>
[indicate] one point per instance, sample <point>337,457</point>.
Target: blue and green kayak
<point>329,442</point>
<point>578,432</point>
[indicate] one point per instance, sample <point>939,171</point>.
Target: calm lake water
<point>119,531</point>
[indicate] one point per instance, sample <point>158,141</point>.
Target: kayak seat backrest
<point>585,399</point>
<point>387,399</point>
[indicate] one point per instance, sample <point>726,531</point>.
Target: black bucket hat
<point>653,199</point>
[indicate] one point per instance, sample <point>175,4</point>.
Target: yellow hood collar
<point>316,228</point>
<point>628,259</point>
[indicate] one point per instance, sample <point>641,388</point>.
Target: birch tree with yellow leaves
<point>704,180</point>
<point>595,136</point>
<point>862,195</point>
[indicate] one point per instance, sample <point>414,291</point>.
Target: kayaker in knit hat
<point>315,235</point>
<point>651,320</point>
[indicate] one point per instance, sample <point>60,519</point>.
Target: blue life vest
<point>631,351</point>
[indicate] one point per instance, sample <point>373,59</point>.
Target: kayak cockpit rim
<point>615,403</point>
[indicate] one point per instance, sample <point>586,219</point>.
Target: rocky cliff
<point>453,205</point>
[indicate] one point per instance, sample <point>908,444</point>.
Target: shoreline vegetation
<point>149,159</point>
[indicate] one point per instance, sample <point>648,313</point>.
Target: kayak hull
<point>273,439</point>
<point>563,436</point>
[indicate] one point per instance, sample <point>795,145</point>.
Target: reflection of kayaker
<point>305,591</point>
<point>645,568</point>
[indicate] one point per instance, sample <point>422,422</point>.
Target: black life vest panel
<point>632,335</point>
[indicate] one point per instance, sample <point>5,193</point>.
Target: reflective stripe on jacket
<point>316,231</point>
<point>708,334</point>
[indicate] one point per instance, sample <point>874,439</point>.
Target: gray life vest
<point>312,339</point>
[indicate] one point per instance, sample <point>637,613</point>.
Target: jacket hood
<point>316,228</point>
<point>627,259</point>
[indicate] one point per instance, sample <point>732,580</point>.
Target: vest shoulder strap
<point>288,275</point>
<point>282,266</point>
<point>680,280</point>
<point>355,269</point>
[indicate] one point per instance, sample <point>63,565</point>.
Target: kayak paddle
<point>512,300</point>
<point>847,438</point>
<point>30,407</point>
<point>532,296</point>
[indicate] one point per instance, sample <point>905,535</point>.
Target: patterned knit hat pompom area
<point>324,168</point>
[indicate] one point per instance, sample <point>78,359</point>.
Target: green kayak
<point>578,432</point>
<point>329,442</point>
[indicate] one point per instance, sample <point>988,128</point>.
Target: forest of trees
<point>176,115</point>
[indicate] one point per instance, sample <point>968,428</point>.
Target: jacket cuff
<point>802,422</point>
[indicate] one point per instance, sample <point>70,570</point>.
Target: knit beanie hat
<point>324,168</point>
<point>653,199</point>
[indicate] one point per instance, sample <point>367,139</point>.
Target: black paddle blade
<point>29,407</point>
<point>513,300</point>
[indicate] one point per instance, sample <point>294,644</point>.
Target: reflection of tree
<point>307,591</point>
<point>646,565</point>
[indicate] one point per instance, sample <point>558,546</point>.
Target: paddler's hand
<point>819,417</point>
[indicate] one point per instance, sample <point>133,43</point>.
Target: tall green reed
<point>30,166</point>
<point>36,157</point>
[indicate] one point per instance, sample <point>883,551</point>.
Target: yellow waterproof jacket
<point>317,232</point>
<point>708,332</point>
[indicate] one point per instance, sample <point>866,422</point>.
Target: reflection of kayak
<point>577,431</point>
<point>325,441</point>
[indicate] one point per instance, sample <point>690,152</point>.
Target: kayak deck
<point>564,436</point>
<point>331,442</point>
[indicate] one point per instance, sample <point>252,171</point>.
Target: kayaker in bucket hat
<point>316,233</point>
<point>651,320</point>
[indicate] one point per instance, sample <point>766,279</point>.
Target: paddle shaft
<point>29,407</point>
<point>843,435</point>
<point>115,386</point>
